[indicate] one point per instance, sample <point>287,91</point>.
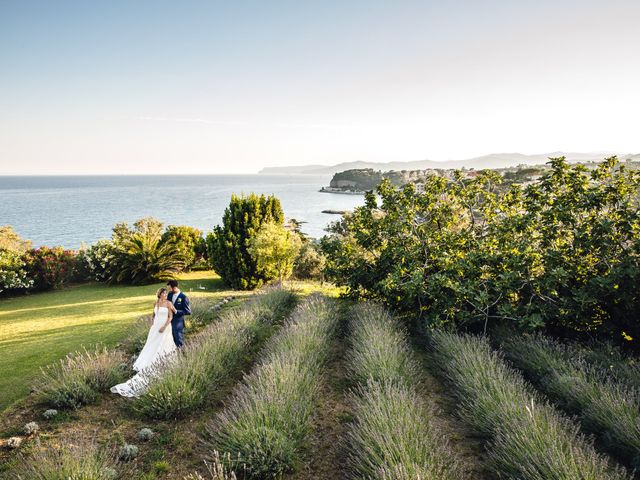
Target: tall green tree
<point>228,244</point>
<point>275,249</point>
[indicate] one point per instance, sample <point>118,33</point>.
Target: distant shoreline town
<point>358,181</point>
<point>491,161</point>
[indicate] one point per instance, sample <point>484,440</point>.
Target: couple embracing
<point>166,335</point>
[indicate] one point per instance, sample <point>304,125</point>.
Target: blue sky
<point>213,87</point>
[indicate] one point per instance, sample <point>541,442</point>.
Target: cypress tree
<point>228,244</point>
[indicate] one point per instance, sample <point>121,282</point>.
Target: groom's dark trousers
<point>177,323</point>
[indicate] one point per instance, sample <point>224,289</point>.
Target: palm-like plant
<point>143,257</point>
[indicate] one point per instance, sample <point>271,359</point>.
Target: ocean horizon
<point>72,210</point>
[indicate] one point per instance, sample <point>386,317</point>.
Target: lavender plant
<point>267,424</point>
<point>527,438</point>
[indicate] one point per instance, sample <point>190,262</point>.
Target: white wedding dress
<point>158,347</point>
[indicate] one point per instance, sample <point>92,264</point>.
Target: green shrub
<point>393,434</point>
<point>13,268</point>
<point>275,248</point>
<point>161,466</point>
<point>188,241</point>
<point>76,379</point>
<point>310,262</point>
<point>99,260</point>
<point>183,383</point>
<point>50,268</point>
<point>141,256</point>
<point>13,273</point>
<point>562,253</point>
<point>604,407</point>
<point>227,245</point>
<point>393,431</point>
<point>72,458</point>
<point>529,440</point>
<point>267,424</point>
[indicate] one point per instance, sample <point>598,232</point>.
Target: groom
<point>181,302</point>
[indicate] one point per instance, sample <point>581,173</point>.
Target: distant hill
<point>494,160</point>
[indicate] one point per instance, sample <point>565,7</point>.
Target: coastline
<point>341,192</point>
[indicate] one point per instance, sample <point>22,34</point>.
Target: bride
<point>158,346</point>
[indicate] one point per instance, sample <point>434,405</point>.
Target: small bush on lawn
<point>184,382</point>
<point>76,379</point>
<point>268,421</point>
<point>529,440</point>
<point>604,407</point>
<point>161,466</point>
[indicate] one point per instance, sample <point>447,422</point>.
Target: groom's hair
<point>172,283</point>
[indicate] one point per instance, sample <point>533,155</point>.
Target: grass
<point>393,435</point>
<point>527,438</point>
<point>604,406</point>
<point>267,424</point>
<point>40,329</point>
<point>184,382</point>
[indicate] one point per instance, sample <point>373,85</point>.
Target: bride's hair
<point>160,292</point>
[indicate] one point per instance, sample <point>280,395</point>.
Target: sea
<point>74,210</point>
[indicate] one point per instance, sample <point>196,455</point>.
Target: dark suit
<point>177,323</point>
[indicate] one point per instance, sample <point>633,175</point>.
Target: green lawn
<point>39,329</point>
